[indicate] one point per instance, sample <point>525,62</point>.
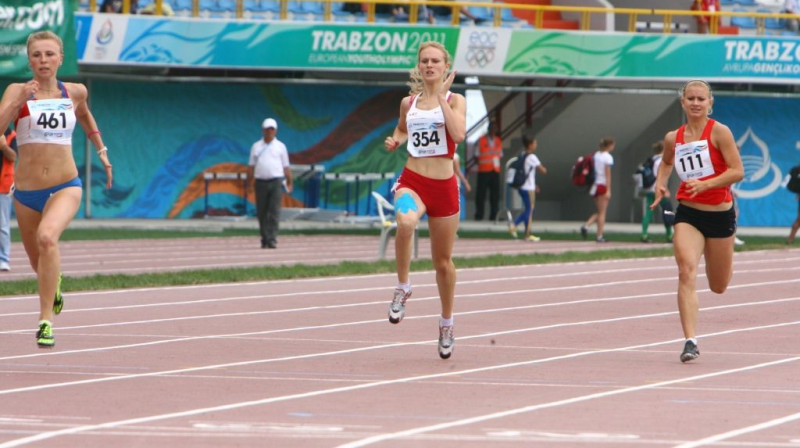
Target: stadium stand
<point>550,19</point>
<point>644,20</point>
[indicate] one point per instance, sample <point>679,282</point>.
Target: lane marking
<point>380,347</point>
<point>420,430</point>
<point>668,263</point>
<point>741,431</point>
<point>343,324</point>
<point>526,409</point>
<point>357,304</point>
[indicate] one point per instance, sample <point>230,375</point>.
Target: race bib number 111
<point>693,160</point>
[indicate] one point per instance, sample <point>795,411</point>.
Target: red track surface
<point>567,355</point>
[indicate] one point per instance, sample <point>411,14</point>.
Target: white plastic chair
<point>388,225</point>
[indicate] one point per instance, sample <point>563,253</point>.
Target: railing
<point>667,16</point>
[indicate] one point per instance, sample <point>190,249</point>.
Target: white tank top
<point>427,134</point>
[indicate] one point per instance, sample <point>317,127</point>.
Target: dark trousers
<point>268,209</point>
<point>487,182</point>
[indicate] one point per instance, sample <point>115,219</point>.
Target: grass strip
<point>284,272</point>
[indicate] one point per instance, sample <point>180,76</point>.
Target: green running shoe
<point>58,303</point>
<point>44,337</point>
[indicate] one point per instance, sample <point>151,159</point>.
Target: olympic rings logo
<point>481,48</point>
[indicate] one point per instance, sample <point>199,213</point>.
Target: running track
<point>566,355</point>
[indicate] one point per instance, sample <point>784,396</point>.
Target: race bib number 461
<point>51,119</point>
<point>693,160</point>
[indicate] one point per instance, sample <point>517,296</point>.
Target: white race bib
<point>51,120</point>
<point>426,138</point>
<point>693,160</point>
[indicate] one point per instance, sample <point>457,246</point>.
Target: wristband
<point>89,135</point>
<point>102,150</point>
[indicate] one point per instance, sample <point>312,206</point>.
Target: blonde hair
<point>45,35</point>
<point>700,82</point>
<point>694,82</point>
<point>415,83</point>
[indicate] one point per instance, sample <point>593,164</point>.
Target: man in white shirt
<point>268,170</point>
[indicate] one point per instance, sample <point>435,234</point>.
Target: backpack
<point>794,180</point>
<point>583,171</point>
<point>516,175</point>
<point>646,171</point>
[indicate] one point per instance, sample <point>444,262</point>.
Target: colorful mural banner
<point>653,57</point>
<point>19,18</point>
<point>764,129</point>
<point>168,136</point>
<point>117,39</point>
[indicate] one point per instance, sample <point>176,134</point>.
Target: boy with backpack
<point>522,177</point>
<point>647,171</point>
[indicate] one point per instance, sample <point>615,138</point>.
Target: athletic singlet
<point>46,121</point>
<point>700,160</point>
<point>427,134</point>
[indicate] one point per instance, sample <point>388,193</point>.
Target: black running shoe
<point>584,232</point>
<point>690,352</point>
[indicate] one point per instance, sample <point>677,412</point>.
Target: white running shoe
<point>446,341</point>
<point>397,309</point>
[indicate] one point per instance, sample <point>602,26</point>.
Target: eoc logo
<point>481,48</point>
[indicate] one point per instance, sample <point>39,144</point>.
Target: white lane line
<point>357,290</point>
<point>493,279</point>
<point>374,439</point>
<point>363,349</point>
<point>741,431</point>
<point>525,409</point>
<point>342,324</point>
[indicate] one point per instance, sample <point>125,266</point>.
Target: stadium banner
<point>19,18</point>
<point>114,39</point>
<point>593,55</point>
<point>129,40</point>
<point>764,129</point>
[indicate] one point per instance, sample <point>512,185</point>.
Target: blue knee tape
<point>405,204</point>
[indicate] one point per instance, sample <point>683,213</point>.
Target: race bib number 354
<point>426,139</point>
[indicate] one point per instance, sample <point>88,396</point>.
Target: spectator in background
<point>115,6</point>
<point>792,7</point>
<point>447,11</point>
<point>400,13</point>
<point>601,188</point>
<point>528,190</point>
<point>268,169</point>
<point>650,194</point>
<point>8,155</point>
<point>795,224</point>
<point>704,23</point>
<point>463,181</point>
<point>166,9</point>
<point>490,151</point>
